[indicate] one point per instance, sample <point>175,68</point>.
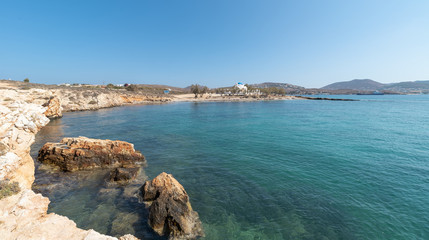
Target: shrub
<point>92,102</point>
<point>8,189</point>
<point>132,88</point>
<point>27,80</point>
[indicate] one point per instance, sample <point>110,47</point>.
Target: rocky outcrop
<point>19,122</point>
<point>75,99</point>
<point>170,212</point>
<point>23,215</point>
<point>54,108</point>
<point>80,153</point>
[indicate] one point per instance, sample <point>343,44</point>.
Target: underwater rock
<point>124,175</point>
<point>170,212</point>
<point>123,223</point>
<point>80,153</point>
<point>128,237</point>
<point>54,108</point>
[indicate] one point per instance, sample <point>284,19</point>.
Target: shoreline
<point>22,115</point>
<point>23,215</point>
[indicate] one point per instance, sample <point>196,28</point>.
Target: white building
<point>241,87</point>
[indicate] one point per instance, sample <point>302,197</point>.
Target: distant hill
<point>357,84</point>
<point>286,86</point>
<point>422,85</point>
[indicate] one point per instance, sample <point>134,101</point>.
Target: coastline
<point>22,115</point>
<point>23,215</point>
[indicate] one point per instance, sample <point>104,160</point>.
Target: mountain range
<point>371,85</point>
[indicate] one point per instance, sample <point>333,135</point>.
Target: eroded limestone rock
<point>170,212</point>
<point>54,108</point>
<point>24,215</point>
<point>80,153</point>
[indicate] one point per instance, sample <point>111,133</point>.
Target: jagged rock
<point>170,212</point>
<point>80,153</point>
<point>124,175</point>
<point>54,108</point>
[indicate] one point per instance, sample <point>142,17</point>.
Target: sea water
<point>296,169</point>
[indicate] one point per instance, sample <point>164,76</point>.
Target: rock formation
<point>54,108</point>
<point>80,153</point>
<point>170,212</point>
<point>73,99</point>
<point>124,175</point>
<point>24,215</point>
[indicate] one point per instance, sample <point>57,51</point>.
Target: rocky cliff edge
<point>24,214</point>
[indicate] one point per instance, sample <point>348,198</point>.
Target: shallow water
<point>262,170</point>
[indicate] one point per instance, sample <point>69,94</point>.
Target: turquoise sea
<point>293,169</point>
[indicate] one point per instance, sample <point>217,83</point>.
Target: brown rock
<point>124,175</point>
<point>54,108</point>
<point>170,212</point>
<point>80,153</point>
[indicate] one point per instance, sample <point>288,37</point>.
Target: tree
<point>195,89</point>
<point>204,91</point>
<point>281,91</point>
<point>26,80</point>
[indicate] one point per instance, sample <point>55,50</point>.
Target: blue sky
<point>214,42</point>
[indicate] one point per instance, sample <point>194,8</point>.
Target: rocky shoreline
<point>23,113</point>
<point>24,215</point>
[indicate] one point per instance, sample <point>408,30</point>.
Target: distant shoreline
<point>227,98</point>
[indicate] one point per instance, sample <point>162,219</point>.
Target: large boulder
<point>170,212</point>
<point>81,153</point>
<point>54,109</point>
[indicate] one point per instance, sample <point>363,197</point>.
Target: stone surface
<point>124,175</point>
<point>170,212</point>
<point>80,153</point>
<point>24,215</point>
<point>54,108</point>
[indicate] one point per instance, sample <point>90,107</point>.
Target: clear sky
<point>214,42</point>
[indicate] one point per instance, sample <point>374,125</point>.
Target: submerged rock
<point>124,175</point>
<point>123,223</point>
<point>80,153</point>
<point>170,212</point>
<point>54,108</point>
